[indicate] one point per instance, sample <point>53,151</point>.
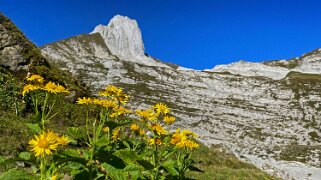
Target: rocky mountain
<point>16,51</point>
<point>266,113</point>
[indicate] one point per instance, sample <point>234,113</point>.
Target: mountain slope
<point>260,116</point>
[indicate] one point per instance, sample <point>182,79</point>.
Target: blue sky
<point>197,34</point>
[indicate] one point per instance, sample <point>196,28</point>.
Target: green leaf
<point>98,130</point>
<point>169,165</point>
<point>34,127</point>
<point>114,172</point>
<point>75,132</point>
<point>126,144</point>
<point>128,156</point>
<point>25,156</point>
<point>14,174</point>
<point>134,171</point>
<point>102,141</point>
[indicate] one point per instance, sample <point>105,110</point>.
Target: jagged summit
<point>124,39</point>
<point>123,36</point>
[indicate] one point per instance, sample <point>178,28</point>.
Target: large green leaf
<point>34,127</point>
<point>114,173</point>
<point>170,165</point>
<point>102,141</point>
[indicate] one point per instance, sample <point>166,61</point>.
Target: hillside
<point>19,56</point>
<point>265,113</point>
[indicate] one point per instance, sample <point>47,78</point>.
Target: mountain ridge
<point>258,118</point>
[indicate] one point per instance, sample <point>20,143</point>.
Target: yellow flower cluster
<point>134,127</point>
<point>120,111</point>
<point>183,139</point>
<point>115,93</point>
<point>35,78</point>
<point>147,114</point>
<point>37,84</point>
<point>156,141</point>
<point>54,88</point>
<point>158,129</point>
<point>28,88</point>
<point>158,110</point>
<point>46,143</point>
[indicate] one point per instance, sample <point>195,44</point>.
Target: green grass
<point>217,164</point>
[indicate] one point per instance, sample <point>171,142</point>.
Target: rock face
<point>16,51</point>
<point>124,39</point>
<point>253,69</point>
<point>266,113</point>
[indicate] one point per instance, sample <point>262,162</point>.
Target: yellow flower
<point>28,88</point>
<point>84,100</point>
<point>148,114</point>
<point>119,111</point>
<point>152,141</point>
<point>44,144</point>
<point>63,140</point>
<point>191,144</point>
<point>169,119</point>
<point>115,134</point>
<point>106,129</point>
<point>141,132</point>
<point>110,91</point>
<point>161,108</point>
<point>53,177</point>
<point>134,127</point>
<point>176,138</point>
<point>158,129</point>
<point>189,133</point>
<point>51,87</point>
<point>35,78</point>
<point>104,102</point>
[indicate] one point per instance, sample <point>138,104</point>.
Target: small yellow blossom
<point>169,119</point>
<point>63,140</point>
<point>51,87</point>
<point>161,108</point>
<point>158,129</point>
<point>148,114</point>
<point>115,134</point>
<point>106,129</point>
<point>28,88</point>
<point>119,111</point>
<point>141,132</point>
<point>153,141</point>
<point>191,144</point>
<point>134,127</point>
<point>84,100</point>
<point>189,133</point>
<point>35,78</point>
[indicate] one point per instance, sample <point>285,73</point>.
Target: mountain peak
<point>123,37</point>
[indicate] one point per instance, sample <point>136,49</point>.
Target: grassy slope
<point>218,164</point>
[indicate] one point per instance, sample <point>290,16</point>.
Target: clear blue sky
<point>197,34</point>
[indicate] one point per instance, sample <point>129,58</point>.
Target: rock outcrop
<point>266,113</point>
<point>16,51</point>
